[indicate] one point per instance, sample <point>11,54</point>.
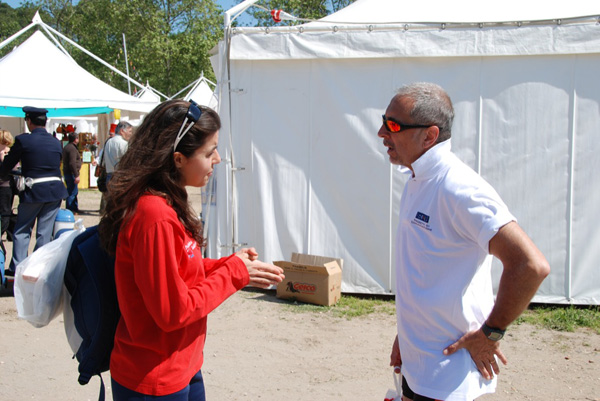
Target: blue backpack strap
<point>102,394</point>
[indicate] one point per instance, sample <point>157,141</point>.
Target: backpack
<point>90,280</point>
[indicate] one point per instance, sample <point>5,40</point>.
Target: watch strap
<point>492,333</point>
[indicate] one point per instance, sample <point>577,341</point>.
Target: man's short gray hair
<point>121,125</point>
<point>431,105</point>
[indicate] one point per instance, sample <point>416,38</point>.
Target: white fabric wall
<point>300,118</point>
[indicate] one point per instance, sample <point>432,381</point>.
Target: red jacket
<point>165,290</point>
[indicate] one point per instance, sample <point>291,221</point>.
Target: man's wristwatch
<point>492,333</point>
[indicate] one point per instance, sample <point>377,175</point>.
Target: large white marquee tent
<point>304,170</point>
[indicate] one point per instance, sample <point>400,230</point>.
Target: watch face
<point>495,336</point>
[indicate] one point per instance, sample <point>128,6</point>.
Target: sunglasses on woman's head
<point>193,115</point>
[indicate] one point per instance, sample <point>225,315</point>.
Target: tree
<point>175,46</point>
<point>8,22</point>
<point>168,41</point>
<point>13,20</point>
<point>304,9</point>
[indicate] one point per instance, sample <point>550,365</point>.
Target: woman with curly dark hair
<point>164,286</point>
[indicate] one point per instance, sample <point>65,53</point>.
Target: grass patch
<point>349,306</point>
<point>562,318</point>
<point>552,317</point>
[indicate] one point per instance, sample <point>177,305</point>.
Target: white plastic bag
<point>39,279</point>
<point>395,394</point>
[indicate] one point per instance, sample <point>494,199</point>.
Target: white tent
<point>41,73</point>
<point>304,170</point>
<point>203,92</point>
<point>147,94</point>
<point>37,73</point>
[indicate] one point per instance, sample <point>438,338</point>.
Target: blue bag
<point>90,281</point>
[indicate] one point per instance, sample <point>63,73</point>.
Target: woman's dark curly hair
<point>148,167</point>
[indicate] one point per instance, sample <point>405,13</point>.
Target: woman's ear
<point>178,159</point>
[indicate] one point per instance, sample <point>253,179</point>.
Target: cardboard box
<point>310,278</point>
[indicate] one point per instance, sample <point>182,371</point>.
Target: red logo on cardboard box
<point>303,288</point>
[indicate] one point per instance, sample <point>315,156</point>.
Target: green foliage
<point>309,9</point>
<point>12,20</point>
<point>563,318</point>
<point>168,41</point>
<point>304,9</point>
<point>8,21</point>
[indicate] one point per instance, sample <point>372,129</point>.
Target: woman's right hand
<point>262,275</point>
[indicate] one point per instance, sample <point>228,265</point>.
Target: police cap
<point>33,112</point>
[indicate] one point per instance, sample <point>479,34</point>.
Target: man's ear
<point>431,136</point>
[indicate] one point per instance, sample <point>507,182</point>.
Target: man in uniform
<point>40,155</point>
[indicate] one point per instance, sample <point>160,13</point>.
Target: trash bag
<point>39,280</point>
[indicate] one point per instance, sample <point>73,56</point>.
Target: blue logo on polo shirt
<point>423,217</point>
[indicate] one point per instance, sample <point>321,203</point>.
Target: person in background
<point>100,162</point>
<point>40,155</point>
<point>6,190</point>
<point>115,148</point>
<point>71,169</point>
<point>166,289</point>
<point>101,150</point>
<point>110,136</point>
<point>451,224</point>
<point>94,148</point>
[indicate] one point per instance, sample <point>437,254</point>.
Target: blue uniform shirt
<point>40,155</point>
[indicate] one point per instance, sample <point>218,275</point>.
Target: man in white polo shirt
<point>451,223</point>
<point>116,147</point>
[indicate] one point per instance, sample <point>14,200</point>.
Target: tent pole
<point>208,81</point>
<point>184,89</point>
<point>231,156</point>
<point>195,85</point>
<point>98,59</point>
<point>156,91</point>
<point>570,195</point>
<point>236,11</point>
<point>16,35</point>
<point>126,63</point>
<point>56,42</point>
